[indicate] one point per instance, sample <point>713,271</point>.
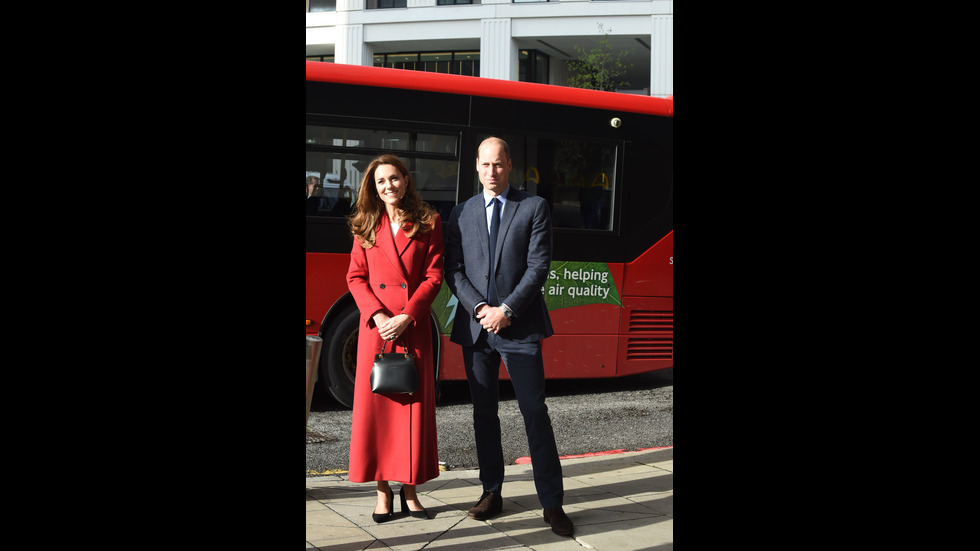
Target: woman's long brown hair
<point>416,215</point>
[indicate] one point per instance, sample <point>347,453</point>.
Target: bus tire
<point>338,359</point>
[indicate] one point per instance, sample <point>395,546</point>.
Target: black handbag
<point>394,373</point>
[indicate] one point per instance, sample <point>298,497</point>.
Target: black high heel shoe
<point>416,514</point>
<point>383,517</point>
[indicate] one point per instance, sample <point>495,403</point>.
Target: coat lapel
<point>401,242</point>
<point>390,247</point>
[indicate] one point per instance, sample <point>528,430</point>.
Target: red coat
<point>394,437</point>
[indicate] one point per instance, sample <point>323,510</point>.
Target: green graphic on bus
<point>444,308</point>
<point>569,284</point>
<point>578,283</point>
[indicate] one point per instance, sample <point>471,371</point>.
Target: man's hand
<point>492,318</point>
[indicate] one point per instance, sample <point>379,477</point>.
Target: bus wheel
<point>338,359</point>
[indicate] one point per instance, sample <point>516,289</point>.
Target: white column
<point>350,47</point>
<point>350,5</point>
<point>498,51</point>
<point>662,55</point>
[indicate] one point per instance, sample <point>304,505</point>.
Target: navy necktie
<point>494,228</point>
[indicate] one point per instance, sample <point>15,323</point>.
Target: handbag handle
<point>405,348</point>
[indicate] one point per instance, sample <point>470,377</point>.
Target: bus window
<point>339,156</point>
<point>577,177</point>
<point>376,139</point>
<point>436,182</point>
<point>339,179</point>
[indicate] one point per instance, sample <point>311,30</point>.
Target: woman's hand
<point>391,329</point>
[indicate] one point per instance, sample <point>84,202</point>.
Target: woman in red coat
<point>395,273</point>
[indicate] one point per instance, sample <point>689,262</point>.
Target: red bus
<point>603,160</point>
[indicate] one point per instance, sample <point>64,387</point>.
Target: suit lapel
<point>478,213</point>
<point>480,221</point>
<point>510,211</point>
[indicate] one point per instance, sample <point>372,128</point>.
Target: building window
<point>385,4</point>
<point>323,5</point>
<point>323,58</point>
<point>533,66</point>
<point>454,63</point>
<point>455,2</point>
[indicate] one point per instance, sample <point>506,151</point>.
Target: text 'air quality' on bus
<point>603,161</point>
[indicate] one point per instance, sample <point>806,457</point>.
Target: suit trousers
<point>525,366</point>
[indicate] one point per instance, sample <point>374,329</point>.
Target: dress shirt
<point>487,197</point>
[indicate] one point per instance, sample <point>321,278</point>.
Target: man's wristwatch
<point>508,313</point>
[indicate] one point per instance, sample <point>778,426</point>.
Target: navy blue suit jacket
<point>524,260</point>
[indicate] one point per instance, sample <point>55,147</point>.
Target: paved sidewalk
<point>618,502</point>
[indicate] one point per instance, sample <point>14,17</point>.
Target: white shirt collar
<point>487,197</point>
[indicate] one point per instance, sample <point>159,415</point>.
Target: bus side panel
<point>451,361</point>
<point>587,320</point>
<point>588,351</point>
<point>578,357</point>
<point>652,273</point>
<point>326,281</point>
<point>647,323</point>
<point>647,335</point>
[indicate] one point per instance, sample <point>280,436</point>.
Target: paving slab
<point>618,502</point>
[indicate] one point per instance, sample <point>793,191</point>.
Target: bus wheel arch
<point>338,356</point>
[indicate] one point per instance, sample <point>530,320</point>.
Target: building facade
<point>503,39</point>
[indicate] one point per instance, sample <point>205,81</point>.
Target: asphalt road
<point>588,416</point>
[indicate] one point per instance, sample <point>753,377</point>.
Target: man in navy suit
<point>502,316</point>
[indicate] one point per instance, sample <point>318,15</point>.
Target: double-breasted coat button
<point>404,285</point>
<point>382,285</point>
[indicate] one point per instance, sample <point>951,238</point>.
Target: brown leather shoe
<point>559,521</point>
<point>490,504</point>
